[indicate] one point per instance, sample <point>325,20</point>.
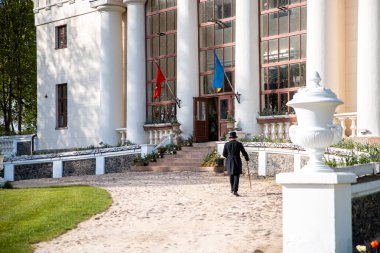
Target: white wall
<point>78,66</point>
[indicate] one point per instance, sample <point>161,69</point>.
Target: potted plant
<point>161,151</point>
<point>230,122</point>
<point>175,124</point>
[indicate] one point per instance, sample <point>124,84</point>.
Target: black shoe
<point>236,194</point>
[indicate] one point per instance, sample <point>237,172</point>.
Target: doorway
<point>210,117</point>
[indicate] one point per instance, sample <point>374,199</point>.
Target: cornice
<point>134,2</point>
<point>98,3</point>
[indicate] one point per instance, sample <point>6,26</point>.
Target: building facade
<point>98,62</point>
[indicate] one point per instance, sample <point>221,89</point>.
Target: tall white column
<point>187,62</point>
<point>111,78</point>
<point>326,43</point>
<point>247,65</point>
<point>368,84</point>
<point>136,71</point>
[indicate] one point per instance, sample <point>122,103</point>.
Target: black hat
<point>233,135</point>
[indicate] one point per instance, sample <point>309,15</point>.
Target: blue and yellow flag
<point>218,74</point>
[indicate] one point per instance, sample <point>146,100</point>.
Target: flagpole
<point>237,95</point>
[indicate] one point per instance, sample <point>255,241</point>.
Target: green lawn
<point>32,215</point>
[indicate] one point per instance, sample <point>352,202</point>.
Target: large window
<point>61,105</point>
<point>216,31</point>
<point>283,52</point>
<point>61,37</point>
<point>161,28</point>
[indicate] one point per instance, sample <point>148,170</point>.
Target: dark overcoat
<point>232,151</point>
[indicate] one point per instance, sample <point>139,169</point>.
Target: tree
<point>18,82</point>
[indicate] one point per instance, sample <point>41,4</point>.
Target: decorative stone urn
<point>315,106</point>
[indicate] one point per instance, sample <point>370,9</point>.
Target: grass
<point>31,215</point>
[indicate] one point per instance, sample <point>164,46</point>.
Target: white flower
<point>361,248</point>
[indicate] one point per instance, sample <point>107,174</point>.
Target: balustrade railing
<point>277,127</point>
<point>8,144</point>
<point>348,123</point>
<point>155,132</point>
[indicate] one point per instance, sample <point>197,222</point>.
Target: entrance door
<point>225,107</point>
<point>200,119</point>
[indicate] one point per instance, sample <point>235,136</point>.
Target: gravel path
<point>174,212</point>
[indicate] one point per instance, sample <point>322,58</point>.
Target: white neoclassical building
<point>97,65</point>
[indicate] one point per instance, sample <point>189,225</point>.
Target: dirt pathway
<point>174,212</point>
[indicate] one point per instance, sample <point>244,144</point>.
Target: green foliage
<point>331,163</point>
<point>210,160</point>
<point>345,144</point>
<point>172,148</point>
<point>186,142</point>
<point>32,215</point>
<point>161,150</point>
<point>361,153</point>
<point>262,138</point>
<point>18,79</point>
<point>140,161</point>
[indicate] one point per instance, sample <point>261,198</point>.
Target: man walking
<point>233,163</point>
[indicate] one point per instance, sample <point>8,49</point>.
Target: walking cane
<point>249,176</point>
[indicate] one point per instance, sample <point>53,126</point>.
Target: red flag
<point>159,79</point>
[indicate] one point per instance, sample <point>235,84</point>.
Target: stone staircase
<point>186,159</point>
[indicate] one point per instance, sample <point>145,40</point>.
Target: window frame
<point>165,60</point>
<point>220,48</point>
<point>61,108</point>
<point>276,93</point>
<point>60,43</point>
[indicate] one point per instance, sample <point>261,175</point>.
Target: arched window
<point>161,29</point>
<point>283,52</point>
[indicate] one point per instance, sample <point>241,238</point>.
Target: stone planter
<point>230,125</point>
<point>176,128</point>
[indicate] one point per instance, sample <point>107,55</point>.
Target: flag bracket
<point>178,102</point>
<point>237,96</point>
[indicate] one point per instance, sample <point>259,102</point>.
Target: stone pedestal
<point>316,212</point>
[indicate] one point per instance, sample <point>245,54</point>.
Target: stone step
<point>211,144</point>
<point>197,149</point>
<point>178,160</point>
<point>176,163</point>
<point>171,168</point>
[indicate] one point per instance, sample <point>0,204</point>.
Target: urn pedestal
<point>316,200</point>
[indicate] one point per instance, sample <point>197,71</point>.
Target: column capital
<point>106,3</point>
<point>134,2</point>
<point>116,8</point>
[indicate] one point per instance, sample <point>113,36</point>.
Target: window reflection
<point>283,51</point>
<point>161,44</point>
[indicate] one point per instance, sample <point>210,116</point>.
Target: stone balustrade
<point>16,145</point>
<point>123,134</point>
<point>155,132</point>
<point>277,127</point>
<point>348,123</point>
